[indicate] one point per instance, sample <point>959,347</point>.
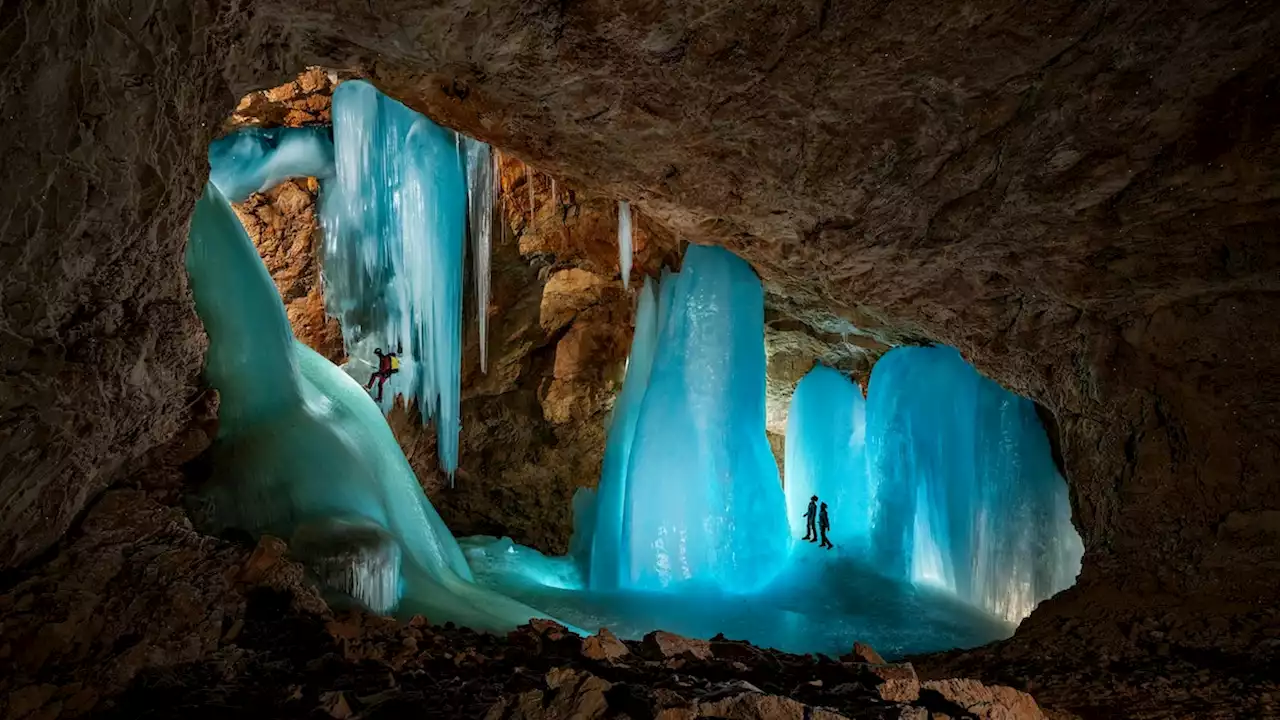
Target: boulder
<point>987,702</point>
<point>662,645</point>
<point>604,646</point>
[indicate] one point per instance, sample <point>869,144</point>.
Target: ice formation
<point>303,453</point>
<point>624,242</point>
<point>701,503</point>
<point>255,159</point>
<point>825,456</point>
<point>395,234</point>
<point>482,189</point>
<point>966,495</point>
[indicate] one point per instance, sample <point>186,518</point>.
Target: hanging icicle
<point>482,179</point>
<point>624,242</point>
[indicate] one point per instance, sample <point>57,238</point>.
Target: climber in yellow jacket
<point>388,365</point>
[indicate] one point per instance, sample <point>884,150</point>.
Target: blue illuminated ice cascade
<point>965,491</point>
<point>395,233</point>
<point>699,503</point>
<point>303,453</point>
<point>254,160</point>
<point>825,456</point>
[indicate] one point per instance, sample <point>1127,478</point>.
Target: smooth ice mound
<point>965,492</point>
<point>689,495</point>
<point>826,456</point>
<point>303,453</point>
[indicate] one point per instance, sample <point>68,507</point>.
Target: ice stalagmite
<point>395,235</point>
<point>482,188</point>
<point>825,456</point>
<point>624,242</point>
<point>966,495</point>
<point>701,504</point>
<point>610,499</point>
<point>303,453</point>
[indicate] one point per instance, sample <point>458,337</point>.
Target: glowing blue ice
<point>395,235</point>
<point>966,495</point>
<point>701,503</point>
<point>825,456</point>
<point>254,160</point>
<point>303,453</point>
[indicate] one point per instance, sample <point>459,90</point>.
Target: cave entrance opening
<point>690,530</point>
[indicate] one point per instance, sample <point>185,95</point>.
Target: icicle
<point>554,195</point>
<point>482,182</point>
<point>528,181</point>
<point>624,242</point>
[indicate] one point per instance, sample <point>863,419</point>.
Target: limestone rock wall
<point>1081,197</point>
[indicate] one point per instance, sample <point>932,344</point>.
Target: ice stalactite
<point>965,492</point>
<point>256,160</point>
<point>395,234</point>
<point>303,453</point>
<point>482,189</point>
<point>624,242</point>
<point>701,503</point>
<point>825,456</point>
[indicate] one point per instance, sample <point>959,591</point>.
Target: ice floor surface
<point>822,603</point>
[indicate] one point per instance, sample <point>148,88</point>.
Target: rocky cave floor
<point>138,615</point>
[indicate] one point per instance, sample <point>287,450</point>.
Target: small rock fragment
<point>604,646</point>
<point>867,654</point>
<point>660,645</point>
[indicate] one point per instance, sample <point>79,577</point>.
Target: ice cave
<point>939,497</point>
<point>525,361</point>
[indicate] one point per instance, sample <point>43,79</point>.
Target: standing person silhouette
<point>824,523</point>
<point>810,517</point>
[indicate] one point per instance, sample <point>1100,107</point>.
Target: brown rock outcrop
<point>283,224</point>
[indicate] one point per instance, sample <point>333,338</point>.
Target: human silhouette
<point>824,523</point>
<point>388,365</point>
<point>810,517</point>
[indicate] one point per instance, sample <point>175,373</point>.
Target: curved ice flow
<point>300,441</point>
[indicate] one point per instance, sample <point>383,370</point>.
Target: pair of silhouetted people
<point>814,518</point>
<point>388,365</point>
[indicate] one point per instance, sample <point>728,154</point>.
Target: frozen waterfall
<point>965,493</point>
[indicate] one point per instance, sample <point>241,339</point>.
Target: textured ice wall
<point>304,453</point>
<point>965,492</point>
<point>825,456</point>
<point>701,504</point>
<point>395,232</point>
<point>254,160</point>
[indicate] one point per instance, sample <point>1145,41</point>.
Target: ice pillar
<point>701,503</point>
<point>966,493</point>
<point>826,434</point>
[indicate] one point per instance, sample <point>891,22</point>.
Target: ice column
<point>395,227</point>
<point>701,504</point>
<point>965,491</point>
<point>825,456</point>
<point>482,188</point>
<point>624,242</point>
